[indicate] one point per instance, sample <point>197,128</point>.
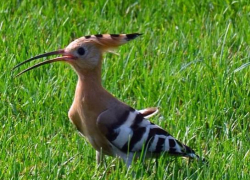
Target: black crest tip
<point>132,36</point>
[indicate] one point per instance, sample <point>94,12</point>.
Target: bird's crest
<point>108,41</point>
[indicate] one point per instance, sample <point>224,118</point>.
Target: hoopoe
<point>111,127</point>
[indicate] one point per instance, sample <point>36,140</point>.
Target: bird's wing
<point>128,130</point>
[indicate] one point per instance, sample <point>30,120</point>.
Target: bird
<point>112,127</point>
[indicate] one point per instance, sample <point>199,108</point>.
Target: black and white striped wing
<point>129,131</point>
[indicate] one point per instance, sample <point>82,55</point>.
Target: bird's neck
<point>90,93</point>
<point>89,89</point>
<point>89,81</point>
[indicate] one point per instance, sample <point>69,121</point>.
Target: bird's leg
<point>156,164</point>
<point>129,159</point>
<point>99,158</point>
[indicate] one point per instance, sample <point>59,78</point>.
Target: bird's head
<point>85,53</point>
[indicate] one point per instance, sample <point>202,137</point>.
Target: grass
<point>192,61</point>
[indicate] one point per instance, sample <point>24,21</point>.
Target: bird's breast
<point>76,119</point>
<point>85,122</point>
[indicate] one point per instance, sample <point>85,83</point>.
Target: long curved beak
<point>61,52</point>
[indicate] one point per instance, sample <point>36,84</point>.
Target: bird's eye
<point>81,51</point>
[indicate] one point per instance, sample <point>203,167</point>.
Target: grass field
<point>192,62</point>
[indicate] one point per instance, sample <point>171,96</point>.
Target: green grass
<point>192,62</point>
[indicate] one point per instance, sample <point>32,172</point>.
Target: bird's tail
<point>185,151</point>
<point>190,153</point>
